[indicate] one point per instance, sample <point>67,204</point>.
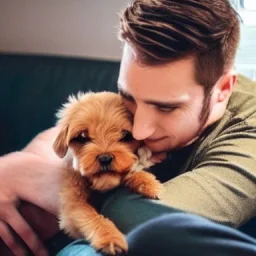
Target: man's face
<point>165,100</point>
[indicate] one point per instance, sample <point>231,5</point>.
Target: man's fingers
<point>21,227</point>
<point>7,237</point>
<point>37,217</point>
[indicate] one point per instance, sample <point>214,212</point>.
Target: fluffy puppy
<point>96,137</point>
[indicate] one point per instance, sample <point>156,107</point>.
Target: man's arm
<point>222,187</point>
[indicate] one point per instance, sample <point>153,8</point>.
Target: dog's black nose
<point>105,159</point>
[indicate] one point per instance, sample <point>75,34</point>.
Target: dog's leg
<point>143,183</point>
<point>77,216</point>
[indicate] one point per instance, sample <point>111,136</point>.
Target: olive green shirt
<point>216,176</point>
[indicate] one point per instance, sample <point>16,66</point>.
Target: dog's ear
<point>60,145</point>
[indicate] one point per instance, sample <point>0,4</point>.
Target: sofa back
<point>33,88</point>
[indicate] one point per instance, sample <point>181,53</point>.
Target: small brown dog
<point>96,132</point>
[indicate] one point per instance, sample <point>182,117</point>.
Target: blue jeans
<point>154,229</point>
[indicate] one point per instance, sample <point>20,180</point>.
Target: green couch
<point>32,89</point>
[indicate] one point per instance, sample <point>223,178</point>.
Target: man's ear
<point>60,145</point>
<point>226,86</point>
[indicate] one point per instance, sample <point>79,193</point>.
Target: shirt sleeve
<point>222,185</point>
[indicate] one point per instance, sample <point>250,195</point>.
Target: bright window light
<point>246,56</point>
<point>248,4</point>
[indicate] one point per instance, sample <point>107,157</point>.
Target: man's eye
<point>126,136</point>
<point>166,109</point>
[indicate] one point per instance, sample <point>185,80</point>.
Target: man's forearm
<point>127,210</point>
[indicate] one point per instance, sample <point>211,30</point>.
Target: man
<point>177,79</point>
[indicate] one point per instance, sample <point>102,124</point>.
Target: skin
<point>29,182</point>
<point>166,101</point>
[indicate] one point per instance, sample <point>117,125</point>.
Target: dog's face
<point>96,128</point>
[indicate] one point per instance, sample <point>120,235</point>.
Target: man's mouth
<point>154,140</point>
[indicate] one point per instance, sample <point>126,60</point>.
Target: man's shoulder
<point>238,121</point>
<point>242,103</point>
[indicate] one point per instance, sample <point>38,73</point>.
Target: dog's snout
<point>105,159</point>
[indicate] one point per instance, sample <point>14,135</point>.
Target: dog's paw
<point>144,183</point>
<point>109,240</point>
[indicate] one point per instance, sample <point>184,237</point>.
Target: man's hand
<point>12,223</point>
<point>32,175</point>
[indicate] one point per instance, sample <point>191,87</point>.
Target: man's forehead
<point>168,83</point>
<point>175,74</point>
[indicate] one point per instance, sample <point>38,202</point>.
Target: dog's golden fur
<point>96,130</point>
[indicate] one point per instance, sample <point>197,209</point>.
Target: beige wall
<point>84,28</point>
<point>66,27</point>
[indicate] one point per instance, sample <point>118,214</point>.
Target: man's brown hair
<point>162,31</point>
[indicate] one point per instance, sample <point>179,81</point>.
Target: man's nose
<point>142,125</point>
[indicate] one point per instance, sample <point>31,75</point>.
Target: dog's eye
<point>126,136</point>
<point>81,139</point>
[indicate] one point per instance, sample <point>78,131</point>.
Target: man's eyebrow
<point>160,104</point>
<point>164,104</point>
<point>124,94</point>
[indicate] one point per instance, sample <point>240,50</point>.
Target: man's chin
<point>157,147</point>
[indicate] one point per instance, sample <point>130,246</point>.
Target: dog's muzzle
<point>105,160</point>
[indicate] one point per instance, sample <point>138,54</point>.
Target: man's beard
<point>205,111</point>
